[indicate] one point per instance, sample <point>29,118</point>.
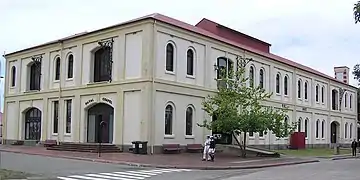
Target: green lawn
<point>7,174</point>
<point>313,152</point>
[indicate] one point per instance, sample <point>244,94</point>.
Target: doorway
<point>100,123</point>
<point>334,131</point>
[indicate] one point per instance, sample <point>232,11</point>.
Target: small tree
<point>239,108</point>
<point>356,11</point>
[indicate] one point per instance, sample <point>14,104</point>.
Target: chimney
<point>342,73</point>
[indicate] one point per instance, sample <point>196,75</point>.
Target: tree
<point>239,108</point>
<point>356,10</point>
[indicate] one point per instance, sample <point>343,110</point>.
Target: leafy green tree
<point>356,11</point>
<point>241,108</point>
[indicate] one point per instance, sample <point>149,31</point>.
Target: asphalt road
<point>68,169</point>
<point>325,170</point>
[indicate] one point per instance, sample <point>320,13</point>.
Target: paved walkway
<point>183,160</point>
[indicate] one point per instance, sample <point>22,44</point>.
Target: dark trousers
<point>354,151</point>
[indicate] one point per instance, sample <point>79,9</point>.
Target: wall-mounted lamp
<point>216,67</point>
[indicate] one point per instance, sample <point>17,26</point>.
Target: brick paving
<point>182,160</point>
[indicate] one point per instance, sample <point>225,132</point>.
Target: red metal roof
<point>194,29</point>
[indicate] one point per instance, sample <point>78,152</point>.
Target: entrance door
<point>33,124</point>
<point>100,124</point>
<point>333,131</point>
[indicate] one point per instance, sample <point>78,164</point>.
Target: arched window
<point>346,130</point>
<point>306,127</point>
<point>190,62</point>
<point>170,57</point>
<point>299,88</point>
<point>351,127</point>
<point>286,121</point>
<point>299,125</point>
<point>346,100</point>
<point>317,93</point>
<point>306,90</point>
<point>103,64</point>
<point>286,85</point>
<point>169,116</point>
<point>35,76</point>
<point>350,99</point>
<point>317,128</point>
<point>189,121</point>
<point>261,78</point>
<point>323,94</point>
<point>13,76</point>
<point>277,83</point>
<point>70,65</point>
<point>251,76</point>
<point>57,68</point>
<point>335,99</point>
<point>323,129</point>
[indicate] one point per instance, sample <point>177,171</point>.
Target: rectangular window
<point>68,116</point>
<point>55,117</point>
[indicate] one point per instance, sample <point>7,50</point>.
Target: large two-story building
<point>145,79</point>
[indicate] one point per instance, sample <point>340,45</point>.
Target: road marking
<point>127,175</point>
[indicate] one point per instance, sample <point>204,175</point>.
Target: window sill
<point>190,76</point>
<point>278,94</point>
<point>251,137</point>
<point>31,91</point>
<point>70,79</point>
<point>317,138</point>
<point>12,87</point>
<point>189,137</point>
<point>317,102</point>
<point>96,83</point>
<point>54,134</point>
<point>67,134</point>
<point>56,81</point>
<point>169,72</point>
<point>169,136</point>
<point>286,95</point>
<point>299,99</point>
<point>306,100</point>
<point>261,137</point>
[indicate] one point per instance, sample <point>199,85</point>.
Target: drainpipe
<point>152,129</point>
<point>59,91</point>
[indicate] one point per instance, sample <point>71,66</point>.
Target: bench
<point>171,148</point>
<point>19,143</point>
<point>50,143</point>
<point>194,147</point>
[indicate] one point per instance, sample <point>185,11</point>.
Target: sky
<point>320,34</point>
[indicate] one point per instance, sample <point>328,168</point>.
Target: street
<point>67,169</point>
<point>325,170</point>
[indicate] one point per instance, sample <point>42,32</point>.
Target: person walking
<point>353,147</point>
<point>206,148</point>
<point>211,149</point>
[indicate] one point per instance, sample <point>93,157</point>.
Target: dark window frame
<point>35,76</point>
<point>261,78</point>
<point>169,118</point>
<point>277,85</point>
<point>68,115</point>
<point>189,121</point>
<point>57,68</point>
<point>55,128</point>
<point>170,57</point>
<point>190,62</point>
<point>70,67</point>
<point>13,76</point>
<point>102,64</point>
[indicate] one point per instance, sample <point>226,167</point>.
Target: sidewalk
<point>183,160</point>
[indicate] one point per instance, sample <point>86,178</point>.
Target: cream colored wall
<point>299,107</point>
<point>130,69</point>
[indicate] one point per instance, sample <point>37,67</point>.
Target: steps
<point>85,147</point>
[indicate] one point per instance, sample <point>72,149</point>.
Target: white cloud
<point>320,33</point>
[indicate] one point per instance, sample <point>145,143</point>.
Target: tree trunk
<point>244,150</point>
<point>237,141</point>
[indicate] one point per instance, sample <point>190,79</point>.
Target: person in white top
<point>206,148</point>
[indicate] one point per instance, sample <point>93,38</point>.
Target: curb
<point>345,157</point>
<point>171,166</point>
